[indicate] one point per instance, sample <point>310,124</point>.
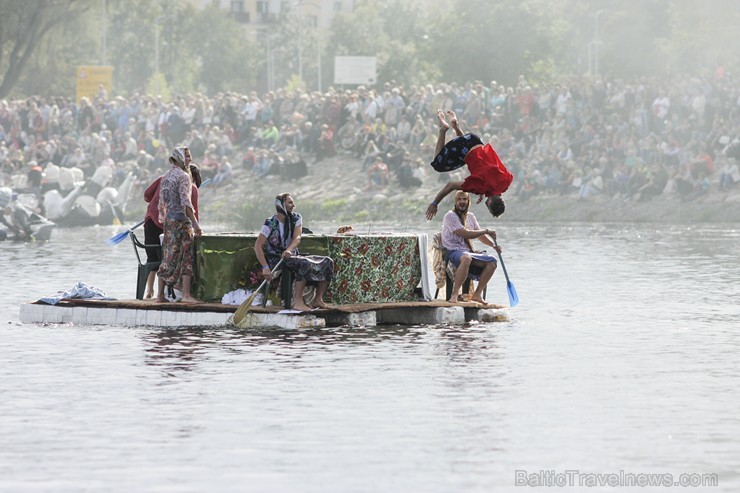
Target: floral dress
<point>178,256</point>
<point>304,267</point>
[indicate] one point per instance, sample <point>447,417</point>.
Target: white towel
<point>78,291</point>
<point>426,286</point>
<point>239,296</point>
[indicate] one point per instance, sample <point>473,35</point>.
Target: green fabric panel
<point>371,269</point>
<point>223,262</point>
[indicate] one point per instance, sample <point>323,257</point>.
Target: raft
<point>139,313</point>
<point>380,279</point>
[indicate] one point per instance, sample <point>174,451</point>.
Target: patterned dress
<point>178,257</point>
<point>304,267</point>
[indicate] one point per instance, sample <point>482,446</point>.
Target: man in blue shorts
<point>459,226</point>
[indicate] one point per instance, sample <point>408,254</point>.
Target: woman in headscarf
<point>279,238</point>
<point>153,228</point>
<point>177,214</point>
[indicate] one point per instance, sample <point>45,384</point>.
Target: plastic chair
<point>144,268</point>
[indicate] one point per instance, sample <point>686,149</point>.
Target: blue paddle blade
<point>513,297</point>
<point>115,240</point>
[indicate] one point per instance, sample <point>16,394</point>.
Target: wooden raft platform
<point>133,313</point>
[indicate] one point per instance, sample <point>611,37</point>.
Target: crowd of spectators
<point>633,139</point>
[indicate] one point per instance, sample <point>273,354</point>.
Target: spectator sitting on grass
<point>377,175</point>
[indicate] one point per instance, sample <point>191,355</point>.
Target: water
<point>622,356</point>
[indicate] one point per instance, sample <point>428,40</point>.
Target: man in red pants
<point>488,175</point>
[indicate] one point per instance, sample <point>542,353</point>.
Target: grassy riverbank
<point>334,191</point>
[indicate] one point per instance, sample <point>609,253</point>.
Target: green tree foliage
<point>131,42</point>
<point>23,26</point>
<point>394,31</point>
<point>415,42</point>
<point>225,59</point>
<point>500,40</point>
<point>360,32</point>
<point>51,69</point>
<point>198,50</point>
<point>703,34</point>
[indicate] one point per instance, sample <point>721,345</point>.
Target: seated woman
<point>279,238</point>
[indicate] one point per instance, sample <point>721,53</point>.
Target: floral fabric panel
<point>374,269</point>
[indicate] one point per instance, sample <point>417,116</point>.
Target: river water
<point>622,356</point>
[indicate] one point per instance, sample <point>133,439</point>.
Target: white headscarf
<point>178,156</point>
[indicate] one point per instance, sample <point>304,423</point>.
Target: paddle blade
<point>115,240</point>
<point>513,297</point>
<point>245,307</point>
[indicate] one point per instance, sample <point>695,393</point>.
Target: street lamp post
<point>299,4</point>
<point>156,48</point>
<point>318,57</point>
<point>156,43</point>
<point>105,33</point>
<point>300,41</point>
<point>596,40</point>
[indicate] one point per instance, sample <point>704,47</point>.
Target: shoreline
<point>334,191</point>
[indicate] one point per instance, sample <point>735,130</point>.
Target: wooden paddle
<point>247,305</point>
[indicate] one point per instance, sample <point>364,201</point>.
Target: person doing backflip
<point>488,176</point>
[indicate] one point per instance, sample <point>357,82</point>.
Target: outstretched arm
<point>432,209</point>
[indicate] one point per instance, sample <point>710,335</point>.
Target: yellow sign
<point>90,78</point>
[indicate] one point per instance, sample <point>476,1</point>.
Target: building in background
<point>302,57</point>
<point>258,14</point>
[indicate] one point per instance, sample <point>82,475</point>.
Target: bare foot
<point>453,299</point>
<point>453,119</point>
<point>443,125</point>
<point>478,299</point>
<point>149,294</point>
<point>189,299</point>
<point>302,307</point>
<point>320,304</point>
<point>162,300</point>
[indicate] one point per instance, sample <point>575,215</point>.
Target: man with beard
<point>459,226</point>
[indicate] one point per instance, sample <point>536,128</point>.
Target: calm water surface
<point>622,356</point>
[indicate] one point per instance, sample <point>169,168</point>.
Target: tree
<point>501,40</point>
<point>393,31</point>
<point>224,56</point>
<point>22,27</point>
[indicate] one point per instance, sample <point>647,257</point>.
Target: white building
<point>256,14</point>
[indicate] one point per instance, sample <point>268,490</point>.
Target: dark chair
<point>144,268</point>
<point>285,279</point>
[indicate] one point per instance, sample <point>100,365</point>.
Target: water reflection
<point>183,348</point>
